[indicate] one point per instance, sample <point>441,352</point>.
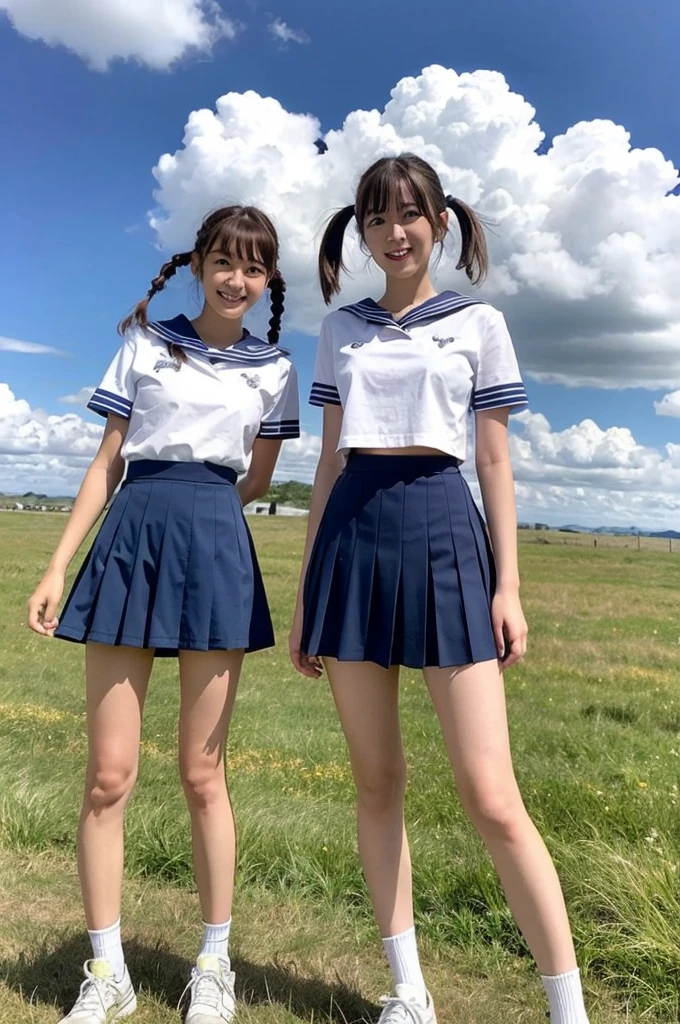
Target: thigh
<point>470,704</point>
<point>367,700</point>
<point>117,679</point>
<point>208,684</point>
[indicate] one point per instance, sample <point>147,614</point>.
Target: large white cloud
<point>99,31</point>
<point>586,237</point>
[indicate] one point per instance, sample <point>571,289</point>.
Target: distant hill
<point>625,531</point>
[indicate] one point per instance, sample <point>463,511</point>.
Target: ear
<point>195,265</point>
<point>444,218</point>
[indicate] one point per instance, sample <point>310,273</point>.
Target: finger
<point>499,637</point>
<point>50,610</point>
<point>35,608</point>
<point>515,653</point>
<point>311,665</point>
<point>300,663</point>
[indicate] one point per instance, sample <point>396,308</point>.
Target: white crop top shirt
<point>414,382</point>
<point>207,409</point>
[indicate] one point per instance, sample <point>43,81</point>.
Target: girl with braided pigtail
<point>190,405</point>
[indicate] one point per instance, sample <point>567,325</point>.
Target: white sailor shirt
<point>413,382</point>
<point>210,408</point>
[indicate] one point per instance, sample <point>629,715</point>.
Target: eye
<point>412,214</point>
<point>375,222</point>
<point>255,271</point>
<point>222,261</point>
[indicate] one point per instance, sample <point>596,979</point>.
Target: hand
<point>42,606</point>
<point>509,627</point>
<point>305,665</point>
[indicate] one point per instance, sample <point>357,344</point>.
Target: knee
<point>496,810</point>
<point>109,786</point>
<point>380,788</point>
<point>203,785</point>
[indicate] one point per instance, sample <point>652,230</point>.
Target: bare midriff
<point>415,449</point>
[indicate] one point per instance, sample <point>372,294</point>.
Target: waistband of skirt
<point>400,465</point>
<point>188,472</point>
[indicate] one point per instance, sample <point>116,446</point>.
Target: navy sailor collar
<point>248,351</point>
<point>432,309</point>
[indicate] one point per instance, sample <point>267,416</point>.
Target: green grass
<point>595,718</point>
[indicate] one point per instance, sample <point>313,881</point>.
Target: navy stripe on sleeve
<point>104,402</point>
<point>324,394</point>
<point>499,396</point>
<point>283,430</point>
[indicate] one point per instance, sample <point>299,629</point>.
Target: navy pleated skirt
<point>173,567</point>
<point>401,572</point>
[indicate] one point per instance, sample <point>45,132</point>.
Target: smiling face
<point>401,211</point>
<point>235,256</point>
<point>231,284</point>
<point>400,238</point>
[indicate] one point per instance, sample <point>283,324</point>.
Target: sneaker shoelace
<point>207,987</point>
<point>397,1009</point>
<point>95,993</point>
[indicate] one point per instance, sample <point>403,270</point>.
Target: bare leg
<point>117,680</point>
<point>366,697</point>
<point>470,704</point>
<point>208,685</point>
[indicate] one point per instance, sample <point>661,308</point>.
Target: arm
<point>494,471</point>
<point>100,481</point>
<point>327,472</point>
<point>257,479</point>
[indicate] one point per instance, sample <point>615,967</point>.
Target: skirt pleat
<point>401,571</point>
<point>172,568</point>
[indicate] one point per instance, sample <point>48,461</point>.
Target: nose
<point>236,278</point>
<point>396,232</point>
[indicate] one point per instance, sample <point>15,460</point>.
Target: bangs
<point>387,181</point>
<point>401,179</point>
<point>245,237</point>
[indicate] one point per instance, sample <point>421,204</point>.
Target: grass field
<point>595,717</point>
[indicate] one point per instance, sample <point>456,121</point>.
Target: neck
<point>215,330</point>
<point>402,295</point>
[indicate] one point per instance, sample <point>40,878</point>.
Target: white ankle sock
<point>566,998</point>
<point>402,953</point>
<point>106,945</point>
<point>216,939</point>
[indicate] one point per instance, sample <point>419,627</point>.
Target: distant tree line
<point>292,492</point>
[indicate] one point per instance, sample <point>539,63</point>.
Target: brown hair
<point>376,186</point>
<point>241,231</point>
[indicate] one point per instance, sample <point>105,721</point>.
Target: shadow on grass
<point>52,976</point>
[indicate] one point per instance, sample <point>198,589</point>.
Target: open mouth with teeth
<point>232,300</point>
<point>398,255</point>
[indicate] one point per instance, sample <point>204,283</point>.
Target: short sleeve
<point>324,388</point>
<point>116,393</point>
<point>282,421</point>
<point>497,382</point>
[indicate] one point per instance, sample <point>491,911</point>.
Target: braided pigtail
<point>277,290</point>
<point>138,315</point>
<point>474,258</point>
<point>330,253</point>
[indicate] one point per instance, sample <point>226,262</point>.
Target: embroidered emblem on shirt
<point>252,381</point>
<point>440,342</point>
<point>167,364</point>
<point>357,344</point>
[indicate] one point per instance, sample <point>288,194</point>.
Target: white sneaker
<point>102,999</point>
<point>212,991</point>
<point>403,1007</point>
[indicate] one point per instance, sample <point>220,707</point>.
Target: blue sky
<point>80,145</point>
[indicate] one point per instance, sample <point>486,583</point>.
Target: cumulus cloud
<point>669,405</point>
<point>41,452</point>
<point>145,31</point>
<point>586,235</point>
<point>593,476</point>
<point>285,34</point>
<point>29,348</point>
<point>80,397</point>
